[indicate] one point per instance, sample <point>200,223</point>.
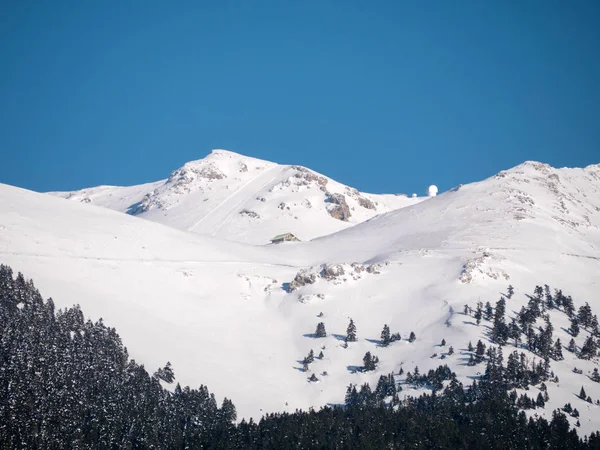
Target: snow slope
<point>240,318</point>
<point>244,199</point>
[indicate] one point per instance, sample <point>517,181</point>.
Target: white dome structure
<point>432,190</point>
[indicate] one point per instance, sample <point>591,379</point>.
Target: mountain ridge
<point>226,194</point>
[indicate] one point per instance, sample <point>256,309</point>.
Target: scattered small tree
<point>370,362</point>
<point>351,332</point>
<point>478,313</point>
<point>511,291</point>
<point>320,332</point>
<point>443,344</point>
<point>313,378</point>
<point>310,358</point>
<point>582,394</point>
<point>451,351</point>
<point>385,336</point>
<point>412,337</point>
<point>489,311</point>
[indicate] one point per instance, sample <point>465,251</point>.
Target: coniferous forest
<point>69,383</point>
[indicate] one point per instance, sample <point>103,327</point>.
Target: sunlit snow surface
<point>221,312</point>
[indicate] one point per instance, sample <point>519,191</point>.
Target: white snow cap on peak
<point>432,190</point>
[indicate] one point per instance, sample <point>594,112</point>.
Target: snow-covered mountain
<point>245,199</point>
<point>240,318</point>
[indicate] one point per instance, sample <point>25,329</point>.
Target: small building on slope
<point>283,238</point>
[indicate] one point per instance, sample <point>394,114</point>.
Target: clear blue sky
<point>387,96</point>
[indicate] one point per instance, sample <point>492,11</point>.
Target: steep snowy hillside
<point>244,199</point>
<point>242,318</point>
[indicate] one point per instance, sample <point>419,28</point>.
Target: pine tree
<point>321,356</point>
<point>500,330</point>
<point>370,362</point>
<point>540,403</point>
<point>557,350</point>
<point>351,332</point>
<point>574,329</point>
<point>584,315</point>
<point>582,394</point>
<point>548,297</point>
<point>595,375</point>
<point>480,351</point>
<point>511,291</point>
<point>489,311</point>
<point>478,313</point>
<point>309,359</point>
<point>514,332</point>
<point>412,337</point>
<point>470,347</point>
<point>443,344</point>
<point>385,336</point>
<point>451,351</point>
<point>228,412</point>
<point>313,378</point>
<point>568,306</point>
<point>320,332</point>
<point>572,347</point>
<point>165,374</point>
<point>588,351</point>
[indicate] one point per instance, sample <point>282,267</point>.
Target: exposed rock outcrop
<point>337,207</point>
<point>333,273</point>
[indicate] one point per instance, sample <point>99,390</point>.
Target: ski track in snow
<point>217,217</point>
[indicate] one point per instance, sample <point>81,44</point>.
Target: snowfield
<point>189,284</point>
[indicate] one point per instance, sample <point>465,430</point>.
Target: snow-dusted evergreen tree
<point>478,313</point>
<point>557,350</point>
<point>514,332</point>
<point>370,362</point>
<point>412,337</point>
<point>588,351</point>
<point>511,291</point>
<point>488,311</point>
<point>320,331</point>
<point>479,351</point>
<point>228,412</point>
<point>165,373</point>
<point>574,329</point>
<point>351,332</point>
<point>572,347</point>
<point>500,330</point>
<point>584,315</point>
<point>310,358</point>
<point>548,297</point>
<point>385,335</point>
